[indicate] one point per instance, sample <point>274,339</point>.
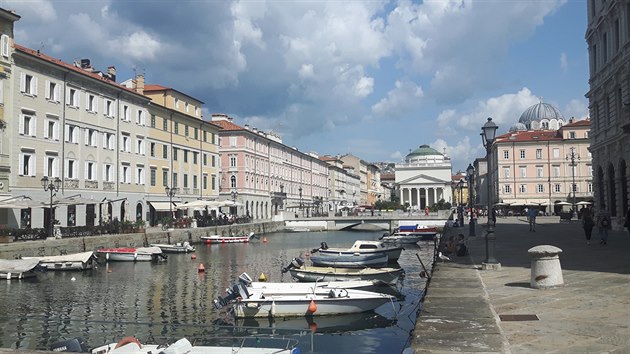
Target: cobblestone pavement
<point>465,307</point>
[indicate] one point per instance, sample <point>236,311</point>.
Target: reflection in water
<point>163,302</point>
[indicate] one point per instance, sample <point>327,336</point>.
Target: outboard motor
<point>245,279</point>
<point>238,290</point>
<point>75,345</point>
<point>324,246</point>
<point>295,263</point>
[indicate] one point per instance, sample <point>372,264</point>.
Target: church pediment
<point>422,179</point>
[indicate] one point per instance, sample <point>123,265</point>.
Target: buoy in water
<point>262,277</point>
<point>265,240</point>
<point>73,278</point>
<point>312,307</point>
<point>201,268</point>
<point>193,256</point>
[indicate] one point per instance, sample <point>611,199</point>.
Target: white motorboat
<point>335,274</point>
<point>274,300</point>
<point>17,268</point>
<point>131,345</point>
<point>179,247</point>
<point>75,261</point>
<point>349,260</point>
<point>131,254</point>
<point>227,239</point>
<point>401,239</point>
<point>365,247</point>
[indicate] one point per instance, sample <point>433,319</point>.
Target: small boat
<point>179,247</point>
<point>246,345</point>
<point>227,239</point>
<point>17,268</point>
<point>323,324</point>
<point>401,239</point>
<point>131,254</point>
<point>75,261</point>
<point>275,301</point>
<point>354,260</point>
<point>310,274</point>
<point>427,232</point>
<point>365,247</point>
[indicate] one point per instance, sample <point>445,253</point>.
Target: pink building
<point>265,177</point>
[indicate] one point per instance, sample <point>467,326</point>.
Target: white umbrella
<point>562,203</point>
<point>230,203</point>
<point>583,203</point>
<point>200,204</point>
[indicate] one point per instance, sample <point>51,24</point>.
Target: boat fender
<point>128,340</point>
<point>312,307</point>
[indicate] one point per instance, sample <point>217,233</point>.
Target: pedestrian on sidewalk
<point>603,224</point>
<point>587,223</point>
<point>531,216</point>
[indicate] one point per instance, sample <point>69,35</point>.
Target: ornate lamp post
<point>300,190</point>
<point>488,135</point>
<point>234,194</point>
<point>470,172</point>
<point>51,185</point>
<point>170,192</point>
<point>572,156</point>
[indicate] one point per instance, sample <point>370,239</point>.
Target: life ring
<point>127,340</point>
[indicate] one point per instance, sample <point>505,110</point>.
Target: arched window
<point>233,181</point>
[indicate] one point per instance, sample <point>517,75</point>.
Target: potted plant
<point>139,225</point>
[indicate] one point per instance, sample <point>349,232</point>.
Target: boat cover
<point>17,265</point>
<point>152,250</point>
<point>75,257</point>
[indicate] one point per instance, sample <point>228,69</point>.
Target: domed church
<point>541,116</point>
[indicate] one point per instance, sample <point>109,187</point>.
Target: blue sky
<point>372,78</point>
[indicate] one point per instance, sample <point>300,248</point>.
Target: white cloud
<point>41,10</point>
<point>400,101</point>
<point>139,46</point>
<point>564,63</point>
<point>461,153</point>
<point>577,108</point>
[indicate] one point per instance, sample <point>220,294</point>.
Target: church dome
<point>540,112</point>
<point>423,150</point>
<point>425,154</point>
<point>518,127</point>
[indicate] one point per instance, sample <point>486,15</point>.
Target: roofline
<point>172,89</point>
<point>10,15</point>
<point>171,110</point>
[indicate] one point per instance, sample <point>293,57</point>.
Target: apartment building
<point>343,185</point>
<point>608,39</point>
<point>359,167</point>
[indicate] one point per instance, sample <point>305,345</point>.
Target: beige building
<point>360,168</point>
<point>537,165</point>
<point>608,39</point>
<point>343,185</point>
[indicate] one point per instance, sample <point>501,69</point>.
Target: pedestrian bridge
<point>383,222</point>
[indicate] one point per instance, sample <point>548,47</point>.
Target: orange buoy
<point>312,307</point>
<point>193,256</point>
<point>201,268</point>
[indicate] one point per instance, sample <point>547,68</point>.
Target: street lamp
<point>470,172</point>
<point>51,185</point>
<point>572,156</point>
<point>170,192</point>
<point>300,190</point>
<point>488,135</point>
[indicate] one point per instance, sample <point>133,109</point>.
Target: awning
<point>163,206</point>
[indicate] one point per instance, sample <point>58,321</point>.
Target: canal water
<point>160,303</point>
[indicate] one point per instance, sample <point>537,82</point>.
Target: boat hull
<point>216,239</point>
<point>350,260</point>
<point>74,262</point>
<point>141,254</point>
<point>174,248</point>
<point>402,239</point>
<point>392,254</point>
<point>318,274</point>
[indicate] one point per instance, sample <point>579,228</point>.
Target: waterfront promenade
<point>467,309</point>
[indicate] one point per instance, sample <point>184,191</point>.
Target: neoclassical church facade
<point>424,178</point>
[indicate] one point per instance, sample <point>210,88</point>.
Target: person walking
<point>603,224</point>
<point>587,223</point>
<point>531,216</point>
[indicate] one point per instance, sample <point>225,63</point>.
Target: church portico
<point>420,197</point>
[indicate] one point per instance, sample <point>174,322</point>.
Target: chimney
<point>85,64</point>
<point>139,84</point>
<point>111,72</point>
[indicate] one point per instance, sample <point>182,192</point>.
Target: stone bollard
<point>546,270</point>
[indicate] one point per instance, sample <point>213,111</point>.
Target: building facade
<point>424,178</point>
<point>608,39</point>
<point>359,167</point>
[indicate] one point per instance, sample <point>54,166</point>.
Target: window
<point>523,171</point>
<point>140,119</point>
<point>507,188</point>
<point>139,175</point>
<point>540,188</point>
<point>571,135</point>
<point>205,136</point>
<point>556,170</point>
<point>51,167</point>
<point>140,147</point>
<point>616,37</point>
<point>194,155</point>
<point>109,108</point>
<point>164,151</point>
<point>233,181</point>
<point>71,168</point>
<point>214,182</point>
<point>52,91</point>
<point>557,188</point>
<point>90,170</point>
<point>164,124</point>
<point>174,180</point>
<point>186,156</point>
<point>196,111</point>
<point>539,154</point>
<point>52,130</point>
<point>91,102</point>
<point>589,187</point>
<point>124,144</point>
<point>176,128</point>
<point>196,133</point>
<point>195,178</point>
<point>186,131</point>
<point>539,171</point>
<point>506,172</point>
<point>185,180</point>
<point>214,160</point>
<point>152,149</point>
<point>205,159</point>
<point>506,154</point>
<point>72,134</point>
<point>165,178</point>
<point>125,115</point>
<point>232,161</point>
<point>176,102</point>
<point>174,154</point>
<point>108,141</point>
<point>27,124</point>
<point>556,152</point>
<point>90,137</point>
<point>186,107</point>
<point>28,84</point>
<point>124,174</point>
<point>4,45</point>
<point>204,182</point>
<point>522,188</point>
<point>73,98</point>
<point>153,177</point>
<point>152,120</point>
<point>27,164</point>
<point>522,154</point>
<point>232,141</point>
<point>108,173</point>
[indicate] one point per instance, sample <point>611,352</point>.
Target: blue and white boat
<point>364,247</point>
<point>350,260</point>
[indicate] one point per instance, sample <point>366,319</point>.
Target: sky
<point>375,79</point>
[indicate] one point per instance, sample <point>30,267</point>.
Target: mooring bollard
<point>546,271</point>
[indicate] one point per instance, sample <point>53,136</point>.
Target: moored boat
<point>75,261</point>
<point>427,232</point>
<point>401,239</point>
<point>354,260</point>
<point>179,247</point>
<point>17,268</point>
<point>227,239</point>
<point>131,254</point>
<point>311,274</point>
<point>365,247</point>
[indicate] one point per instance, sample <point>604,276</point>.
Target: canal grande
<point>163,302</point>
